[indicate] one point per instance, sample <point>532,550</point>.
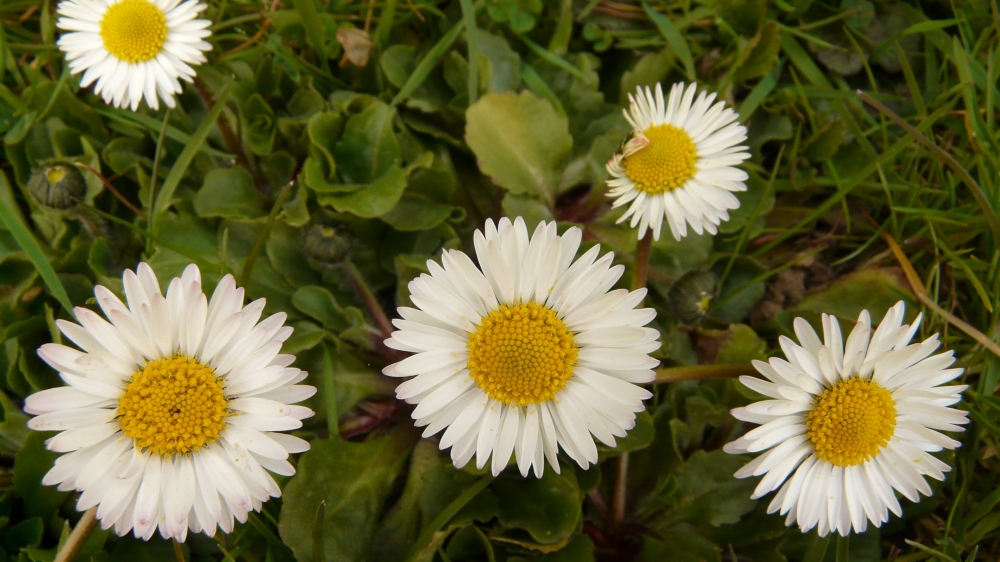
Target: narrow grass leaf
<point>674,38</point>
<point>11,218</point>
<point>184,159</point>
<point>427,64</point>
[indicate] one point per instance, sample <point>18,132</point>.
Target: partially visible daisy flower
<point>170,415</point>
<point>679,162</point>
<point>133,48</point>
<point>527,353</point>
<point>848,424</point>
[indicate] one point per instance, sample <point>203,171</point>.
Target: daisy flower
<point>170,415</point>
<point>527,353</point>
<point>849,423</point>
<point>679,162</point>
<point>133,48</point>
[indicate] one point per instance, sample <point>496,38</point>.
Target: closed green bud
<point>58,185</point>
<point>691,295</point>
<point>325,245</point>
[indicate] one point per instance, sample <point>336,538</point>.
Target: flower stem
<point>365,292</point>
<point>619,501</point>
<point>178,553</point>
<point>701,372</point>
<point>79,536</point>
<point>641,269</point>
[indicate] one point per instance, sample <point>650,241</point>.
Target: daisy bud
<point>57,185</point>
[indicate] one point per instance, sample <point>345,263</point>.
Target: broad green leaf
<point>229,193</point>
<point>520,141</point>
<point>547,508</point>
<point>531,209</point>
<point>875,290</point>
<point>761,54</point>
<point>368,148</point>
<point>30,465</point>
<point>372,200</point>
<point>259,127</point>
<point>416,213</point>
<point>354,479</point>
<point>825,142</point>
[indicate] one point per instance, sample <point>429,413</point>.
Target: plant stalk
<point>78,536</point>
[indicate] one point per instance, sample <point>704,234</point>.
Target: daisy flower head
<point>527,353</point>
<point>172,409</point>
<point>133,49</point>
<point>679,162</point>
<point>849,423</point>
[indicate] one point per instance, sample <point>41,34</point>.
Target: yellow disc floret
<point>134,30</point>
<point>851,422</point>
<point>521,354</point>
<point>173,405</point>
<point>666,163</point>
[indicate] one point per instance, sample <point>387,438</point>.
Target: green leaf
<point>520,141</point>
<point>313,24</point>
<point>10,217</point>
<point>674,38</point>
<point>639,437</point>
<point>229,193</point>
<point>679,546</point>
<point>259,127</point>
<point>744,16</point>
<point>320,304</point>
<point>401,525</point>
<point>165,197</point>
<point>414,213</point>
<point>499,65</point>
<point>354,479</point>
<point>372,200</point>
<point>825,142</point>
<point>531,209</point>
<point>708,493</point>
<point>548,508</point>
<point>875,290</point>
<point>740,345</point>
<point>30,465</point>
<point>761,54</point>
<point>368,148</point>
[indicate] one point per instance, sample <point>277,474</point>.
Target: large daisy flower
<point>133,48</point>
<point>527,353</point>
<point>679,162</point>
<point>169,417</point>
<point>848,424</point>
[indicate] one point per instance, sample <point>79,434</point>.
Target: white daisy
<point>850,423</point>
<point>679,162</point>
<point>527,353</point>
<point>169,415</point>
<point>133,48</point>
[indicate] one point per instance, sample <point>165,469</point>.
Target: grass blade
<point>10,217</point>
<point>184,159</point>
<point>448,512</point>
<point>314,28</point>
<point>977,192</point>
<point>427,64</point>
<point>674,38</point>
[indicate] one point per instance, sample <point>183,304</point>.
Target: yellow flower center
<point>54,174</point>
<point>173,405</point>
<point>134,30</point>
<point>851,422</point>
<point>521,354</point>
<point>666,163</point>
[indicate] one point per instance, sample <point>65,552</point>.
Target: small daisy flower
<point>133,48</point>
<point>170,415</point>
<point>848,424</point>
<point>527,353</point>
<point>679,162</point>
